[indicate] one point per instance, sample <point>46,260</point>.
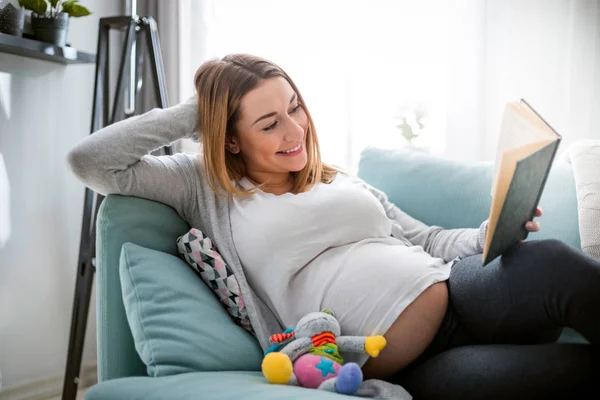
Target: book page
<point>508,163</point>
<point>520,126</point>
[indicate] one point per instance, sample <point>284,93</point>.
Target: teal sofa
<point>432,189</point>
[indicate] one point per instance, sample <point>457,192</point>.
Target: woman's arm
<point>116,159</point>
<point>435,240</point>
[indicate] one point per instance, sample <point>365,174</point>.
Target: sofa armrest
<point>125,219</point>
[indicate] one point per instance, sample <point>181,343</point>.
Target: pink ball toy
<point>312,370</point>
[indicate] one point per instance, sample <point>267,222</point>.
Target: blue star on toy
<point>326,367</point>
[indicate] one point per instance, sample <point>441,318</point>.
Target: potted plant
<point>412,123</point>
<point>11,20</point>
<point>50,18</point>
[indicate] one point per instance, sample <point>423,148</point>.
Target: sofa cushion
<point>416,181</point>
<point>205,386</point>
<point>584,155</point>
<point>178,325</point>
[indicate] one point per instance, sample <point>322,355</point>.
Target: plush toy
<point>308,355</point>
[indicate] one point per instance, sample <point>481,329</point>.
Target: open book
<point>526,150</point>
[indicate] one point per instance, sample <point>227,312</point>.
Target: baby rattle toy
<point>308,355</point>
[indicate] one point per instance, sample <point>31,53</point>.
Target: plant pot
<point>11,20</point>
<point>51,29</point>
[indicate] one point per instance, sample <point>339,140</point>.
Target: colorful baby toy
<point>308,355</point>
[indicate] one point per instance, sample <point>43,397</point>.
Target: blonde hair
<point>220,86</point>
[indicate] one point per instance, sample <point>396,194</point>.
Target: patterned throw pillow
<point>197,250</point>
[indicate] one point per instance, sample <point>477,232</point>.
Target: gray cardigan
<point>117,160</point>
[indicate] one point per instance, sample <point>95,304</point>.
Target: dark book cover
<point>522,199</point>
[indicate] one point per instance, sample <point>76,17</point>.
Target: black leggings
<point>497,340</point>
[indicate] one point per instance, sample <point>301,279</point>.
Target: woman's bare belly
<point>411,333</point>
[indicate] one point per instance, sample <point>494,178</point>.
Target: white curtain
<point>363,65</point>
<point>547,52</point>
<point>4,207</point>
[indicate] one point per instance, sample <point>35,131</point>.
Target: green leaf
<point>53,3</point>
<point>37,6</point>
<point>407,132</point>
<point>62,5</point>
<point>75,10</point>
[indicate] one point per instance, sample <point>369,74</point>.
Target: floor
<point>80,394</point>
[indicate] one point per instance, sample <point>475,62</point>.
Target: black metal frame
<point>135,29</point>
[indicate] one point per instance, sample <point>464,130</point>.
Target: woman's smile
<point>294,151</point>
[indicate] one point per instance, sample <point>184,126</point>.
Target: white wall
<point>45,108</point>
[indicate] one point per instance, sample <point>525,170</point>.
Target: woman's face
<point>271,132</point>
